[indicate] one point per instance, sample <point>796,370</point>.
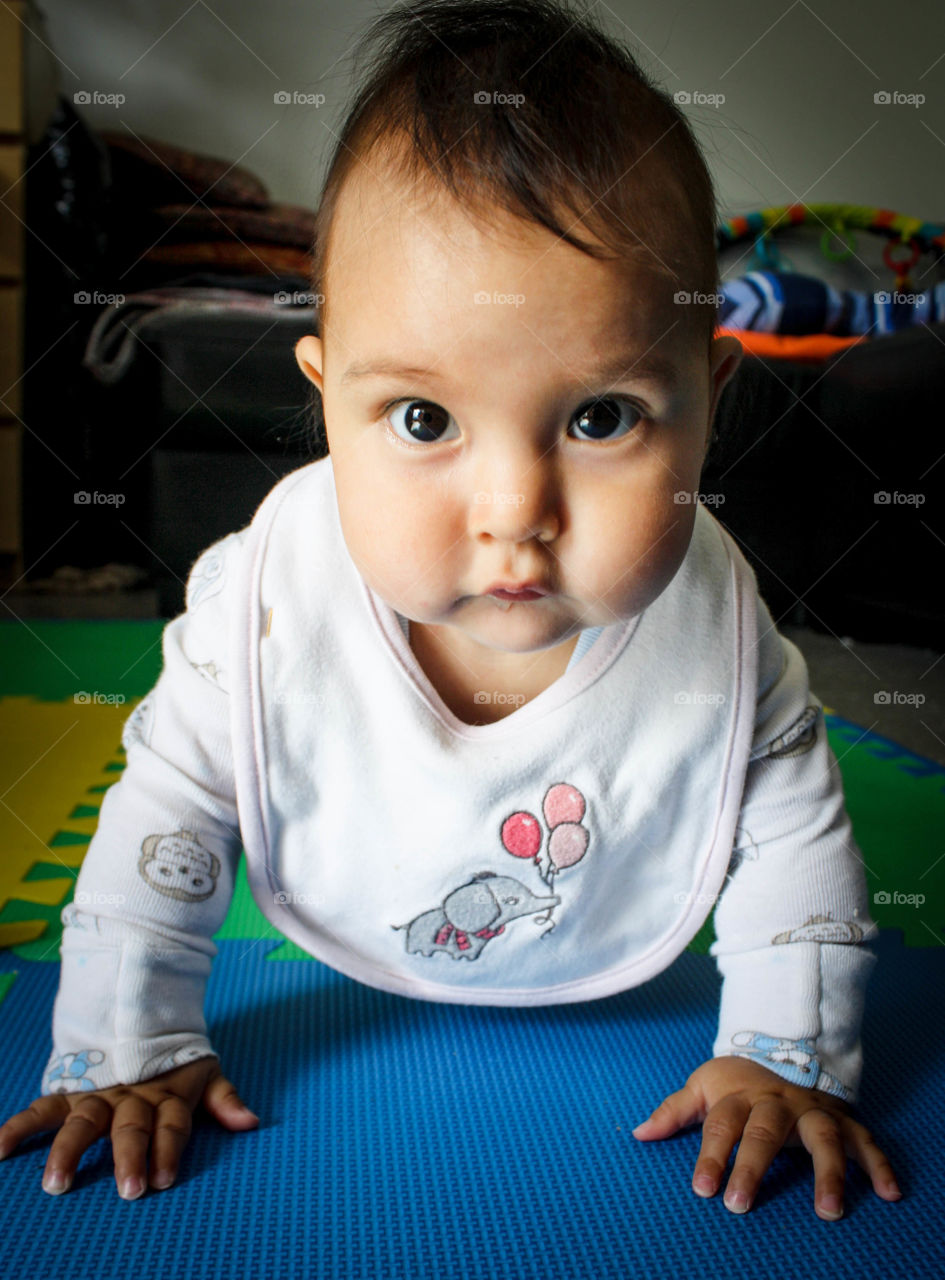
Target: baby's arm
<point>790,925</point>
<point>793,917</point>
<point>155,883</point>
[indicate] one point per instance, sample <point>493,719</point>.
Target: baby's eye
<point>423,422</point>
<point>609,418</point>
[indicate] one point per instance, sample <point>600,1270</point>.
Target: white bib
<point>565,852</point>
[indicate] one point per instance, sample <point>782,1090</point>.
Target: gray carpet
<point>850,675</point>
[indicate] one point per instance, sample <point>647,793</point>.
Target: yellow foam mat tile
<point>56,761</point>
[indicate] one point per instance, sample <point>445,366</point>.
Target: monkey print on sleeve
<point>179,866</point>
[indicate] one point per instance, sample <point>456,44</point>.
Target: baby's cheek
<point>638,568</point>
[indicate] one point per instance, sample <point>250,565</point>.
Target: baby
<point>496,625</point>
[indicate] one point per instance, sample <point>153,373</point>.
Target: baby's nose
<point>519,505</point>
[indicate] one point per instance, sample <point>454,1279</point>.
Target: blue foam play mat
<point>400,1138</point>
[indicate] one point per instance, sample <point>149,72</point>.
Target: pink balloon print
<point>521,835</point>
<point>567,845</point>
<point>563,803</point>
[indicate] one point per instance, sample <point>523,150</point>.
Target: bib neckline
<point>578,676</point>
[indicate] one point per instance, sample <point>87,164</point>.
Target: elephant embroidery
<point>165,1061</point>
<point>471,915</point>
<point>479,910</point>
<point>794,1060</point>
<point>71,1072</point>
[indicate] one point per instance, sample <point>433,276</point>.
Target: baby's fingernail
<point>737,1201</point>
<point>892,1190</point>
<point>831,1206</point>
<point>54,1182</point>
<point>131,1188</point>
<point>703,1185</point>
<point>162,1179</point>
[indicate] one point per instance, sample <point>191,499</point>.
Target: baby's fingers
<point>86,1122</point>
<point>131,1133</point>
<point>676,1111</point>
<point>47,1112</point>
<point>171,1134</point>
<point>864,1148</point>
<point>221,1100</point>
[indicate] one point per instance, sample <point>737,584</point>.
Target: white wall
<point>798,122</point>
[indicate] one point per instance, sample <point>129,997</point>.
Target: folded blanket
<point>113,343</point>
<point>288,224</point>
<point>253,258</point>
<point>158,173</point>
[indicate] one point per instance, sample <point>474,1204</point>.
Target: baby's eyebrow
<point>631,367</point>
<point>624,367</point>
<point>387,369</point>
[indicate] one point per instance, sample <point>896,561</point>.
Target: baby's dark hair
<point>594,135</point>
<point>592,138</point>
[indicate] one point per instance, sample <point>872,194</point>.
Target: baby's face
<point>515,432</point>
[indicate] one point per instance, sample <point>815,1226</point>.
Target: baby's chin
<point>510,627</point>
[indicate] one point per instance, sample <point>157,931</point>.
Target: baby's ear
<point>308,353</point>
<point>724,359</point>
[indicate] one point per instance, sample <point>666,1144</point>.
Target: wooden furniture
<point>12,250</point>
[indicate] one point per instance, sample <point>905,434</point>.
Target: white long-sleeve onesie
<point>566,851</point>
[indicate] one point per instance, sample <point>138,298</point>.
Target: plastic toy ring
<point>839,232</point>
<point>901,265</point>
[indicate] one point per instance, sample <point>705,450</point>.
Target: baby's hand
<point>158,1110</point>
<point>742,1101</point>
